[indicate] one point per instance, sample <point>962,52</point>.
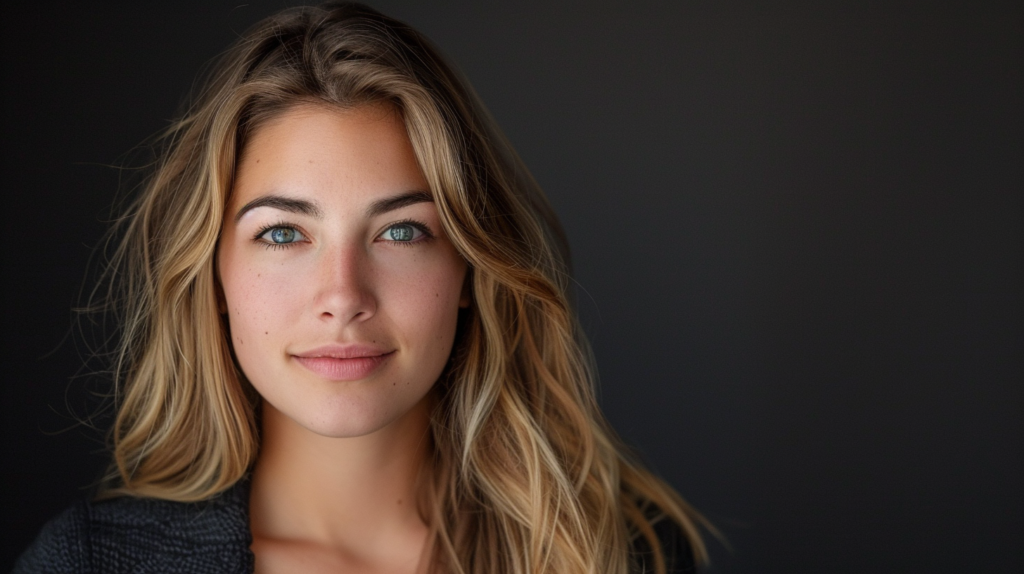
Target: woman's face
<point>341,289</point>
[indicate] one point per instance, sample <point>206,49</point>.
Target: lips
<point>344,362</point>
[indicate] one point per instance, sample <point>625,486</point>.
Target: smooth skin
<point>331,245</point>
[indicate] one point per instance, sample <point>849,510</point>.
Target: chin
<point>350,420</point>
<point>345,427</point>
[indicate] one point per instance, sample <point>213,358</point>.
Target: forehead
<point>327,152</point>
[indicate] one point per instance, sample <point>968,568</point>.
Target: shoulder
<point>128,534</point>
<point>674,545</point>
<point>60,546</point>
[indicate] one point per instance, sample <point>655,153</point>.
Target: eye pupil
<point>400,233</point>
<point>282,235</point>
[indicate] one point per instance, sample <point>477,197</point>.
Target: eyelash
<point>427,234</point>
<point>271,244</point>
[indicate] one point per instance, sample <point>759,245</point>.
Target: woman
<point>346,339</point>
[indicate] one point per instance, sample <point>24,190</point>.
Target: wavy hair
<point>528,477</point>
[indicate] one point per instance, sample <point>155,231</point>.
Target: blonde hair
<point>528,476</point>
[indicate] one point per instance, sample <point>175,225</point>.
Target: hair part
<point>528,476</point>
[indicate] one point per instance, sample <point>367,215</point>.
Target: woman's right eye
<point>281,236</point>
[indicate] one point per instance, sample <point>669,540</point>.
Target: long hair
<point>528,477</point>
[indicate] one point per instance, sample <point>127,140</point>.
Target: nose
<point>345,292</point>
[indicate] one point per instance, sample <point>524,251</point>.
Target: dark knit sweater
<point>139,535</point>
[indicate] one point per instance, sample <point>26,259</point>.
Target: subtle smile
<point>343,363</point>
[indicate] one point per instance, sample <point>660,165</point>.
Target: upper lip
<point>350,351</point>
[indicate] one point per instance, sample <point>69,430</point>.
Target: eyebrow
<point>289,204</point>
<point>387,204</point>
<point>312,209</point>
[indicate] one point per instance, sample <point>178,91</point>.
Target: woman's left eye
<point>402,233</point>
<point>281,235</point>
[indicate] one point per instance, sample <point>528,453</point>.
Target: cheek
<point>262,302</point>
<point>426,308</point>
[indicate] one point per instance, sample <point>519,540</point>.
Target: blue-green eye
<point>402,233</point>
<point>281,235</point>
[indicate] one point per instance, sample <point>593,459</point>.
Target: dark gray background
<point>796,227</point>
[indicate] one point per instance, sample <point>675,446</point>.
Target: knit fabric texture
<point>144,535</point>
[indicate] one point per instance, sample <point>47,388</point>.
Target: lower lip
<point>343,369</point>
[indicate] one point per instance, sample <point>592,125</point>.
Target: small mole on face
<point>266,332</point>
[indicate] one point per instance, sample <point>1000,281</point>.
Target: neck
<point>343,493</point>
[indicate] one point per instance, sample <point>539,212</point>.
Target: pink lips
<point>343,362</point>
